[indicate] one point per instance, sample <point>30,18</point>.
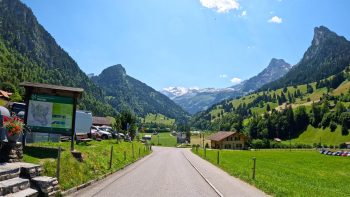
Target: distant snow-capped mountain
<point>174,92</point>
<point>195,99</point>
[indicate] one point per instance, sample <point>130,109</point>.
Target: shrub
<point>333,126</point>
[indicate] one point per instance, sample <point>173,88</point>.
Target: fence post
<point>139,152</point>
<point>205,152</point>
<point>111,158</point>
<point>58,167</point>
<point>124,155</point>
<point>254,167</point>
<point>218,158</point>
<point>132,146</point>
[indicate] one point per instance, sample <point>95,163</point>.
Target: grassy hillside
<point>334,89</point>
<point>325,136</point>
<point>158,119</point>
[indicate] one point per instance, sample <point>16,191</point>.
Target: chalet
<point>228,140</point>
<point>100,121</point>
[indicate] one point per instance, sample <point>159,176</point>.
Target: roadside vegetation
<point>96,157</point>
<point>285,173</point>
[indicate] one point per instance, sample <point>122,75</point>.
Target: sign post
<point>51,109</point>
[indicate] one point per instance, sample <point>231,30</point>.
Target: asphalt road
<point>170,172</point>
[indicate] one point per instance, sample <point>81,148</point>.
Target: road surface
<point>170,172</point>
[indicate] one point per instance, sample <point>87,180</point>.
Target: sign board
<point>50,114</point>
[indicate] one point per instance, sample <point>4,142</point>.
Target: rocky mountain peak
<point>321,34</point>
<point>278,63</point>
<point>116,70</point>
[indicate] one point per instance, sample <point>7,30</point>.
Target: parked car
<point>100,132</point>
<point>121,135</point>
<point>344,154</point>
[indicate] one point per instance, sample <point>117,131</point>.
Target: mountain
<point>194,100</point>
<point>123,91</point>
<point>276,69</point>
<point>328,54</point>
<point>29,53</point>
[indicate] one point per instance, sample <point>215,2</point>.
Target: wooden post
<point>205,152</point>
<point>139,152</point>
<point>254,167</point>
<point>58,167</point>
<point>218,158</point>
<point>73,123</point>
<point>124,155</point>
<point>203,140</point>
<point>132,147</point>
<point>111,158</point>
<point>158,138</point>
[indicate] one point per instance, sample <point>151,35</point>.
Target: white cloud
<point>275,19</point>
<point>236,80</point>
<point>244,13</point>
<point>223,76</point>
<point>221,6</point>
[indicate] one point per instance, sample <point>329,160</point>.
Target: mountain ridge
<point>194,100</point>
<point>327,55</point>
<point>125,92</point>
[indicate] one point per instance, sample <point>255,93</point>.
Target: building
<point>228,140</point>
<point>100,121</point>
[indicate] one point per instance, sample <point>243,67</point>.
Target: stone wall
<point>11,152</point>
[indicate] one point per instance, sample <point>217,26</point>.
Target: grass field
<point>159,119</point>
<point>284,173</point>
<point>315,135</point>
<point>165,139</point>
<point>96,159</point>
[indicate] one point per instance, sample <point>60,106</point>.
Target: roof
<point>100,121</point>
<point>221,135</point>
<point>347,143</point>
<point>50,86</point>
<point>5,94</point>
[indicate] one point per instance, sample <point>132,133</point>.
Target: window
<point>239,146</point>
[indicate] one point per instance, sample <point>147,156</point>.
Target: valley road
<point>170,172</point>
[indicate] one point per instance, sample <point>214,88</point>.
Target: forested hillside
<point>125,92</point>
<point>319,109</point>
<point>29,53</point>
<point>310,112</point>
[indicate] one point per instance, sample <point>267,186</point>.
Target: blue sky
<point>189,43</point>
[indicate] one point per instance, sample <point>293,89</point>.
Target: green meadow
<point>285,173</point>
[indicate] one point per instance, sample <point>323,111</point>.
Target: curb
<point>84,185</point>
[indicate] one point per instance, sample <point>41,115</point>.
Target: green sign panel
<point>50,114</point>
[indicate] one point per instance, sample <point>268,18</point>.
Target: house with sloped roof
<point>228,140</point>
<point>100,121</point>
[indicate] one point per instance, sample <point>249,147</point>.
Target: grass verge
<point>96,159</point>
<point>284,173</point>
